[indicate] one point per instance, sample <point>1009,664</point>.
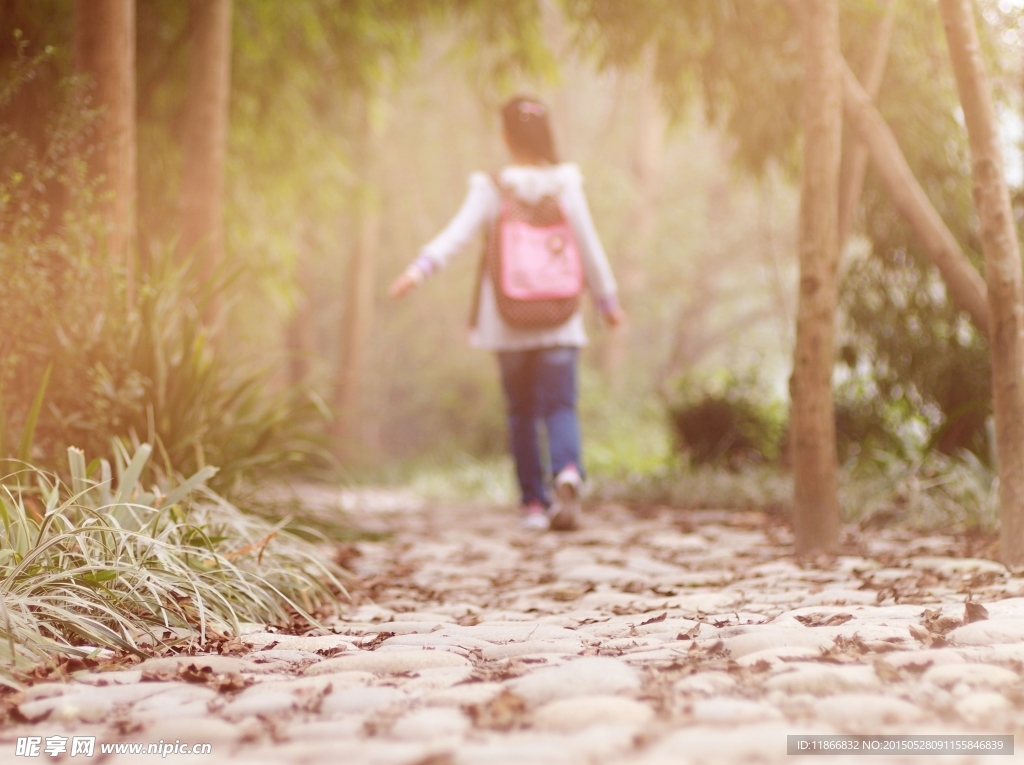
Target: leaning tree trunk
<point>965,285</point>
<point>816,483</point>
<point>104,50</point>
<point>1002,267</point>
<point>358,315</point>
<point>855,164</point>
<point>205,137</point>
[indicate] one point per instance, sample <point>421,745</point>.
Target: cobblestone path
<point>668,637</point>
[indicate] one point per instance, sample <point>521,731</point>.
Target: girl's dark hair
<point>528,128</point>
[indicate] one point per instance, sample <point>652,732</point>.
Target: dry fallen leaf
<point>310,699</point>
<point>655,620</point>
<point>822,620</point>
<point>567,593</point>
<point>375,643</point>
<point>918,632</point>
<point>881,646</point>
<point>887,673</point>
<point>191,673</point>
<point>333,651</point>
<point>937,623</point>
<point>974,612</point>
<point>229,683</point>
<point>690,634</point>
<point>504,712</point>
<point>233,647</point>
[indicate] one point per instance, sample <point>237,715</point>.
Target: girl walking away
<point>541,249</point>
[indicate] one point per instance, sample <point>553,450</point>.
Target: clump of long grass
<point>467,478</point>
<point>703,487</point>
<point>934,491</point>
<point>102,563</point>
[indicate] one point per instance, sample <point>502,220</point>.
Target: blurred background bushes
<point>152,374</point>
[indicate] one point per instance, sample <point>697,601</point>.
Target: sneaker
<point>564,514</point>
<point>534,518</point>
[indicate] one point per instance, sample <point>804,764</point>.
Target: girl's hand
<point>402,285</point>
<point>615,317</point>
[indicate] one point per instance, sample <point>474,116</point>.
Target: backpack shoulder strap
<point>503,190</point>
<point>482,264</point>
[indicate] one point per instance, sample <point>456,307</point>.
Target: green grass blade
<point>3,424</point>
<point>28,435</point>
<point>132,473</point>
<point>188,487</point>
<point>79,476</point>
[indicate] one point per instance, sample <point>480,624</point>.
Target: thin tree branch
<point>851,182</point>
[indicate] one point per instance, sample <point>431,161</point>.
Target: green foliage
<point>623,436</point>
<point>32,419</point>
<point>467,478</point>
<point>499,43</point>
<point>298,70</point>
<point>77,367</point>
<point>96,564</point>
<point>200,404</point>
<point>867,424</point>
<point>54,296</point>
<point>921,359</point>
<point>935,492</point>
<point>917,352</point>
<point>157,374</point>
<point>902,339</point>
<point>693,487</point>
<point>727,419</point>
<point>741,57</point>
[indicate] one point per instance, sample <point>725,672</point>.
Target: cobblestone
<point>671,637</point>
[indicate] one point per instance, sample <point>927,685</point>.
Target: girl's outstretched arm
<point>598,272</point>
<point>479,205</point>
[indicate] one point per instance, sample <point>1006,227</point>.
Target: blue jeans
<point>540,385</point>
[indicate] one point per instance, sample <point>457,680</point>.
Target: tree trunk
<point>104,49</point>
<point>1002,267</point>
<point>965,285</point>
<point>816,484</point>
<point>205,137</point>
<point>358,316</point>
<point>855,166</point>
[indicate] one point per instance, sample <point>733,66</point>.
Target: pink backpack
<point>533,260</point>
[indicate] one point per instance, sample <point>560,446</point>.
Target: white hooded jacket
<point>481,208</point>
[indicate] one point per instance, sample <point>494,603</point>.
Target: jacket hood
<point>531,184</point>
